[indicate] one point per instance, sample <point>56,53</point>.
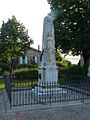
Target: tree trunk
<point>81,61</point>
<point>86,57</point>
<point>11,70</point>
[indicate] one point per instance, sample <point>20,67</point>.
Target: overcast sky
<point>28,12</point>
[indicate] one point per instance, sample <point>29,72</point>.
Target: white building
<point>32,56</point>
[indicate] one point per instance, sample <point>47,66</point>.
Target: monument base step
<point>47,91</point>
<point>45,95</point>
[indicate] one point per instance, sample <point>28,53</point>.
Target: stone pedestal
<point>48,74</point>
<point>48,84</point>
<point>48,92</point>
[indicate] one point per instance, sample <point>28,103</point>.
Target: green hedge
<point>27,66</point>
<point>4,67</point>
<point>77,70</point>
<point>63,66</point>
<point>26,73</point>
<point>63,63</point>
<point>74,71</point>
<point>72,74</point>
<point>0,70</point>
<point>62,71</point>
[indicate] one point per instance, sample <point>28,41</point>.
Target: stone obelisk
<point>48,71</point>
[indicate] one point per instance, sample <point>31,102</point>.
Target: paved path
<point>72,112</point>
<point>77,112</point>
<point>2,102</point>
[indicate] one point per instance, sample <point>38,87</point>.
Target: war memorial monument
<point>48,70</point>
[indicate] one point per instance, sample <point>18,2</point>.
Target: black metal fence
<point>30,93</point>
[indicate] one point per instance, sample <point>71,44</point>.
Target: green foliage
<point>25,83</point>
<point>63,66</point>
<point>58,55</point>
<point>27,66</point>
<point>26,73</point>
<point>0,70</point>
<point>72,27</point>
<point>6,73</point>
<point>76,70</point>
<point>63,63</point>
<point>14,39</point>
<point>4,67</point>
<point>2,85</point>
<point>72,74</point>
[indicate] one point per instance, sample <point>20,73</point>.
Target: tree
<point>14,40</point>
<point>72,27</point>
<point>58,55</point>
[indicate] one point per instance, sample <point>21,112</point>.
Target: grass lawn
<point>19,83</point>
<point>2,85</point>
<point>24,82</point>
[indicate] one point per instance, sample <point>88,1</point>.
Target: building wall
<point>32,56</point>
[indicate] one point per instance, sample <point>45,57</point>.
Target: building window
<point>23,60</point>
